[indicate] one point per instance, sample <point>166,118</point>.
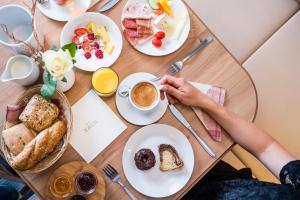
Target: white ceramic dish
<point>130,113</point>
<point>93,63</point>
<point>169,45</point>
<point>153,182</point>
<point>66,12</point>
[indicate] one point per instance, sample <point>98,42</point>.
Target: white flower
<point>58,62</point>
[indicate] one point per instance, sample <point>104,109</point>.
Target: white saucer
<point>64,12</point>
<point>131,114</point>
<point>153,182</point>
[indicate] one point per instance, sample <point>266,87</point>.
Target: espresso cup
<point>144,95</point>
<point>18,21</point>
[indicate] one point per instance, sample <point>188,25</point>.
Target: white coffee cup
<point>154,103</point>
<point>18,21</point>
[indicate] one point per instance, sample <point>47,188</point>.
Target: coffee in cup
<point>144,95</point>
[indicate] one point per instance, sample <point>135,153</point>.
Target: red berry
<point>86,46</point>
<point>91,36</point>
<point>96,45</point>
<point>99,54</point>
<point>160,35</point>
<point>80,31</point>
<point>87,55</point>
<point>75,39</point>
<point>156,42</point>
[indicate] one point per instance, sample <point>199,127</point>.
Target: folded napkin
<point>218,95</point>
<point>95,126</point>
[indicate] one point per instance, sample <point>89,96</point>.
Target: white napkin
<point>95,126</point>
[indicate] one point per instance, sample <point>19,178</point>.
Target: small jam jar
<point>86,182</point>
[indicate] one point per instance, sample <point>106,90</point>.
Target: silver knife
<point>108,5</point>
<point>182,119</point>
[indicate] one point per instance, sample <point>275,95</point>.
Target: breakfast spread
<point>169,158</point>
<point>93,41</point>
<point>153,20</point>
<point>144,94</point>
<point>144,159</point>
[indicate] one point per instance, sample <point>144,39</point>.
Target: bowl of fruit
<point>98,40</point>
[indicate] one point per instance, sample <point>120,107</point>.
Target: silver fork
<point>115,177</point>
<point>43,1</point>
<point>177,66</point>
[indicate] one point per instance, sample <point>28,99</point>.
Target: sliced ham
<point>129,23</point>
<point>132,40</point>
<point>144,31</point>
<point>133,33</point>
<point>144,22</point>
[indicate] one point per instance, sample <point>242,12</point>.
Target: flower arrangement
<point>56,62</point>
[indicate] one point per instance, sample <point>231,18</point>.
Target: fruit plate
<point>170,43</point>
<point>99,21</point>
<point>71,9</point>
<point>153,182</point>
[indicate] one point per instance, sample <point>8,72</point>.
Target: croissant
<point>38,148</point>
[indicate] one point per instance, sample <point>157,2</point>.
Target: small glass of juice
<point>61,186</point>
<point>105,82</point>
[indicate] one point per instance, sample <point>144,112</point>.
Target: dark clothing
<point>225,182</point>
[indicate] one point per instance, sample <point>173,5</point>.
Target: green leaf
<point>53,47</point>
<point>64,79</point>
<point>48,87</point>
<point>71,47</point>
<point>73,61</point>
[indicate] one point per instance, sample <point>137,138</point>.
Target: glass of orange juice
<point>105,81</point>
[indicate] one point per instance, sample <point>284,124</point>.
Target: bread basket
<point>60,149</point>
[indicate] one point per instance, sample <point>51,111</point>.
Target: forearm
<point>256,141</point>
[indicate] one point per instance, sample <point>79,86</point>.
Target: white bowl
<point>93,63</point>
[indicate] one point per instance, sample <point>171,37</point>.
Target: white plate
<point>93,63</point>
<point>65,12</point>
<point>153,182</point>
<point>169,45</point>
<point>131,114</point>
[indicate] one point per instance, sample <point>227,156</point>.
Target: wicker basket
<point>60,149</point>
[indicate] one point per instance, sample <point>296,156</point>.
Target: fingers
<point>162,95</point>
<point>171,99</point>
<point>171,80</point>
<point>171,91</point>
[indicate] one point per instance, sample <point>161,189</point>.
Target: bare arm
<point>245,133</point>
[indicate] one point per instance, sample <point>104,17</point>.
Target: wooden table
<point>214,65</point>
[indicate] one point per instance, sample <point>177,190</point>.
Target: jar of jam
<point>61,185</point>
<point>86,182</point>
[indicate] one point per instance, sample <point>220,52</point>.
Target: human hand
<point>177,89</point>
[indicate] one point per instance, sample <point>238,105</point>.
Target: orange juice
<point>61,186</point>
<point>105,81</point>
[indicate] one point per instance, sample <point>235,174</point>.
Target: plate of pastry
<point>36,131</point>
<point>63,10</point>
<point>158,160</point>
<point>155,27</point>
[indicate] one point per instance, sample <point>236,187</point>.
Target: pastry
<point>144,159</point>
<point>16,137</point>
<point>169,158</point>
<point>39,113</point>
<point>42,145</point>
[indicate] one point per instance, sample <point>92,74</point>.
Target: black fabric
<point>225,182</point>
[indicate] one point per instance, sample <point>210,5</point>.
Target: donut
<point>144,159</point>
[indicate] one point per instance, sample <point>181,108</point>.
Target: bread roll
<point>16,137</point>
<point>39,113</point>
<point>42,145</point>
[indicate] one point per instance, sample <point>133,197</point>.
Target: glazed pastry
<point>41,146</point>
<point>169,158</point>
<point>39,113</point>
<point>16,137</point>
<point>144,159</point>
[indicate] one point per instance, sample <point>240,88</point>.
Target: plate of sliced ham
<point>155,27</point>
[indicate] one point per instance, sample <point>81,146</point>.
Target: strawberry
<point>96,45</point>
<point>87,55</point>
<point>80,31</point>
<point>75,39</point>
<point>99,54</point>
<point>86,46</point>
